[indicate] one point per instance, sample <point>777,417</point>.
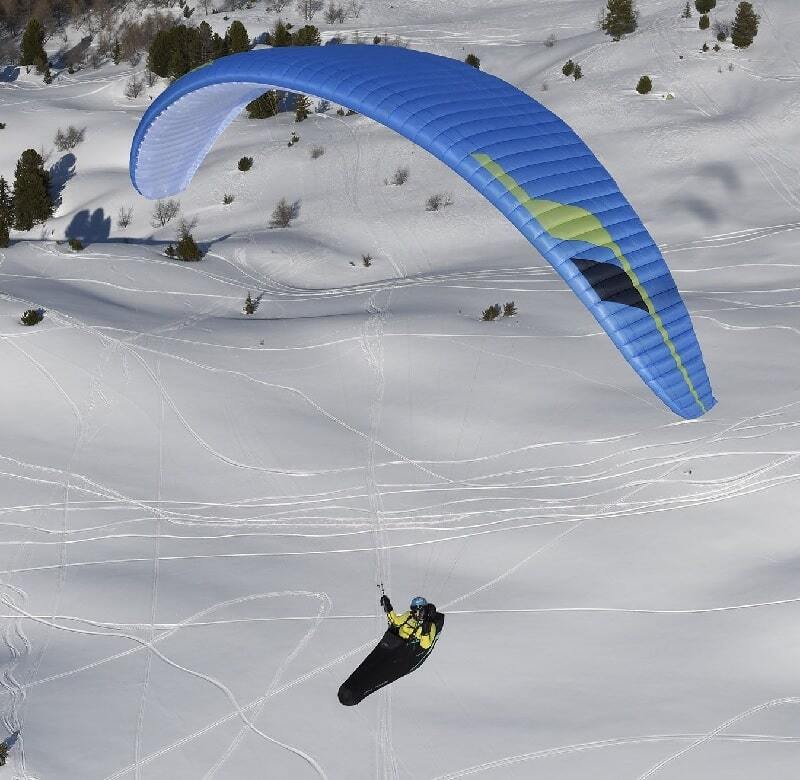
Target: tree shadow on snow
<point>60,173</point>
<point>89,227</point>
<point>9,73</point>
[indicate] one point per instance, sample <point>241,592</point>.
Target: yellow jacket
<point>409,629</point>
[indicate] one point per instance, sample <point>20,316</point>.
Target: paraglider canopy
<point>520,156</point>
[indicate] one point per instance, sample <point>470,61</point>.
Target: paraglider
<point>520,156</point>
<point>405,646</point>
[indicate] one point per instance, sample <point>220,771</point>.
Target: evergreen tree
<point>687,11</point>
<point>264,106</point>
<point>569,68</point>
<point>619,18</point>
<point>6,213</point>
<point>745,25</point>
<point>473,61</point>
<point>644,86</point>
<point>281,35</point>
<point>302,108</point>
<point>32,51</point>
<point>117,53</point>
<point>237,38</point>
<point>307,36</point>
<point>704,22</point>
<point>249,306</point>
<point>577,73</point>
<point>187,249</point>
<point>704,6</point>
<point>32,202</point>
<point>159,53</point>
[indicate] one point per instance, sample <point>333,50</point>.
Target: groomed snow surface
<point>196,506</point>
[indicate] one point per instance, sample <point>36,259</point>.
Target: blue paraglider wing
<point>520,156</point>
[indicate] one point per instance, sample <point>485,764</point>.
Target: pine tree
<point>577,73</point>
<point>704,22</point>
<point>281,35</point>
<point>32,51</point>
<point>264,106</point>
<point>6,213</point>
<point>745,25</point>
<point>569,68</point>
<point>237,38</point>
<point>302,107</point>
<point>159,53</point>
<point>307,36</point>
<point>249,306</point>
<point>704,6</point>
<point>473,61</point>
<point>645,85</point>
<point>32,202</point>
<point>687,11</point>
<point>620,18</point>
<point>117,53</point>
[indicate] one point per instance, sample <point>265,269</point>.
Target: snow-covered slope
<point>198,505</point>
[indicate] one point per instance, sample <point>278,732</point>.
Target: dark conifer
<point>32,202</point>
<point>307,36</point>
<point>6,214</point>
<point>569,68</point>
<point>237,38</point>
<point>644,86</point>
<point>32,51</point>
<point>619,18</point>
<point>473,61</point>
<point>264,106</point>
<point>281,35</point>
<point>745,25</point>
<point>704,22</point>
<point>302,108</point>
<point>704,6</point>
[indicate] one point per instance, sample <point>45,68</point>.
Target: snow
<point>197,505</point>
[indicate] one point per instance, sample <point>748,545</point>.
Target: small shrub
<point>69,138</point>
<point>705,47</point>
<point>350,112</point>
<point>717,47</point>
<point>170,251</point>
<point>323,106</point>
<point>227,199</point>
<point>377,39</point>
<point>491,313</point>
<point>721,37</point>
<point>32,317</point>
<point>577,73</point>
<point>509,309</point>
<point>284,213</point>
<point>687,11</point>
<point>550,40</point>
<point>165,211</point>
<point>245,163</point>
<point>400,176</point>
<point>722,28</point>
<point>134,87</point>
<point>2,125</point>
<point>704,22</point>
<point>124,217</point>
<point>317,151</point>
<point>75,244</point>
<point>438,201</point>
<point>187,249</point>
<point>340,111</point>
<point>251,304</point>
<point>473,61</point>
<point>569,68</point>
<point>366,260</point>
<point>644,85</point>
